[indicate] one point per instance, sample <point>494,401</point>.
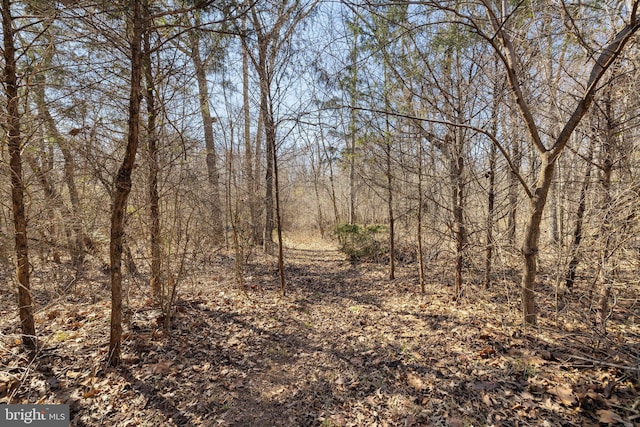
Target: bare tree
<point>12,129</point>
<point>502,41</point>
<point>123,181</point>
<point>154,167</point>
<point>213,173</point>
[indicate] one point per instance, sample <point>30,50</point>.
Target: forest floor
<point>346,346</point>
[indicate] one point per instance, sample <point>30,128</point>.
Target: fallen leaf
<point>487,352</point>
<point>339,420</point>
<point>91,393</point>
<point>161,367</point>
<point>607,416</point>
<point>72,375</point>
<point>565,394</point>
<point>415,382</point>
<point>486,399</point>
<point>484,385</point>
<point>357,361</point>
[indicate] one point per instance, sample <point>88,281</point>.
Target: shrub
<point>360,242</point>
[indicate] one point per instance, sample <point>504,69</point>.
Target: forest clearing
<point>345,347</point>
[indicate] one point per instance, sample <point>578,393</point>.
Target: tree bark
<point>270,142</point>
<point>606,228</point>
<point>512,215</point>
<point>52,199</point>
<point>264,66</point>
<point>577,232</point>
<point>12,129</point>
<point>123,186</point>
<point>77,248</point>
<point>256,238</point>
<point>457,168</point>
<point>154,198</point>
<point>213,174</point>
<point>532,238</point>
<point>491,198</point>
<point>392,236</point>
<point>353,93</point>
<point>278,213</point>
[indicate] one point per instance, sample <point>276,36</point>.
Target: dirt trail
<point>345,347</point>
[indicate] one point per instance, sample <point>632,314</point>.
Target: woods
<point>172,164</point>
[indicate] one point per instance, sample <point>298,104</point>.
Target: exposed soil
<point>344,347</point>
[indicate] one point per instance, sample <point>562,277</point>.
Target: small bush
<point>359,242</point>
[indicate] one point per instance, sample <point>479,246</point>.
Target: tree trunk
<point>154,199</point>
<point>554,236</point>
<point>52,199</point>
<point>248,151</point>
<point>270,141</point>
<point>421,267</point>
<point>209,141</point>
<point>577,232</point>
<point>329,152</point>
<point>532,238</point>
<point>12,129</point>
<point>392,219</point>
<point>512,216</point>
<point>458,218</point>
<point>353,89</point>
<point>488,260</point>
<point>77,248</point>
<point>258,229</point>
<point>123,186</point>
<point>316,190</point>
<point>279,223</point>
<point>606,228</point>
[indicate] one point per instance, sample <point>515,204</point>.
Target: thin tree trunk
<point>78,252</point>
<point>488,260</point>
<point>248,151</point>
<point>512,216</point>
<point>12,129</point>
<point>352,181</point>
<point>233,212</point>
<point>606,229</point>
<point>279,223</point>
<point>316,190</point>
<point>154,199</point>
<point>352,128</point>
<point>554,237</point>
<point>577,232</point>
<point>123,186</point>
<point>258,189</point>
<point>387,151</point>
<point>332,186</point>
<point>209,141</point>
<point>392,236</point>
<point>270,139</point>
<point>532,238</point>
<point>53,199</point>
<point>77,248</point>
<point>421,267</point>
<point>458,218</point>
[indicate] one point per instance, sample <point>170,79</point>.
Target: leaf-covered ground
<point>344,347</point>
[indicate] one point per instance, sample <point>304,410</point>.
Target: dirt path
<point>345,347</point>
